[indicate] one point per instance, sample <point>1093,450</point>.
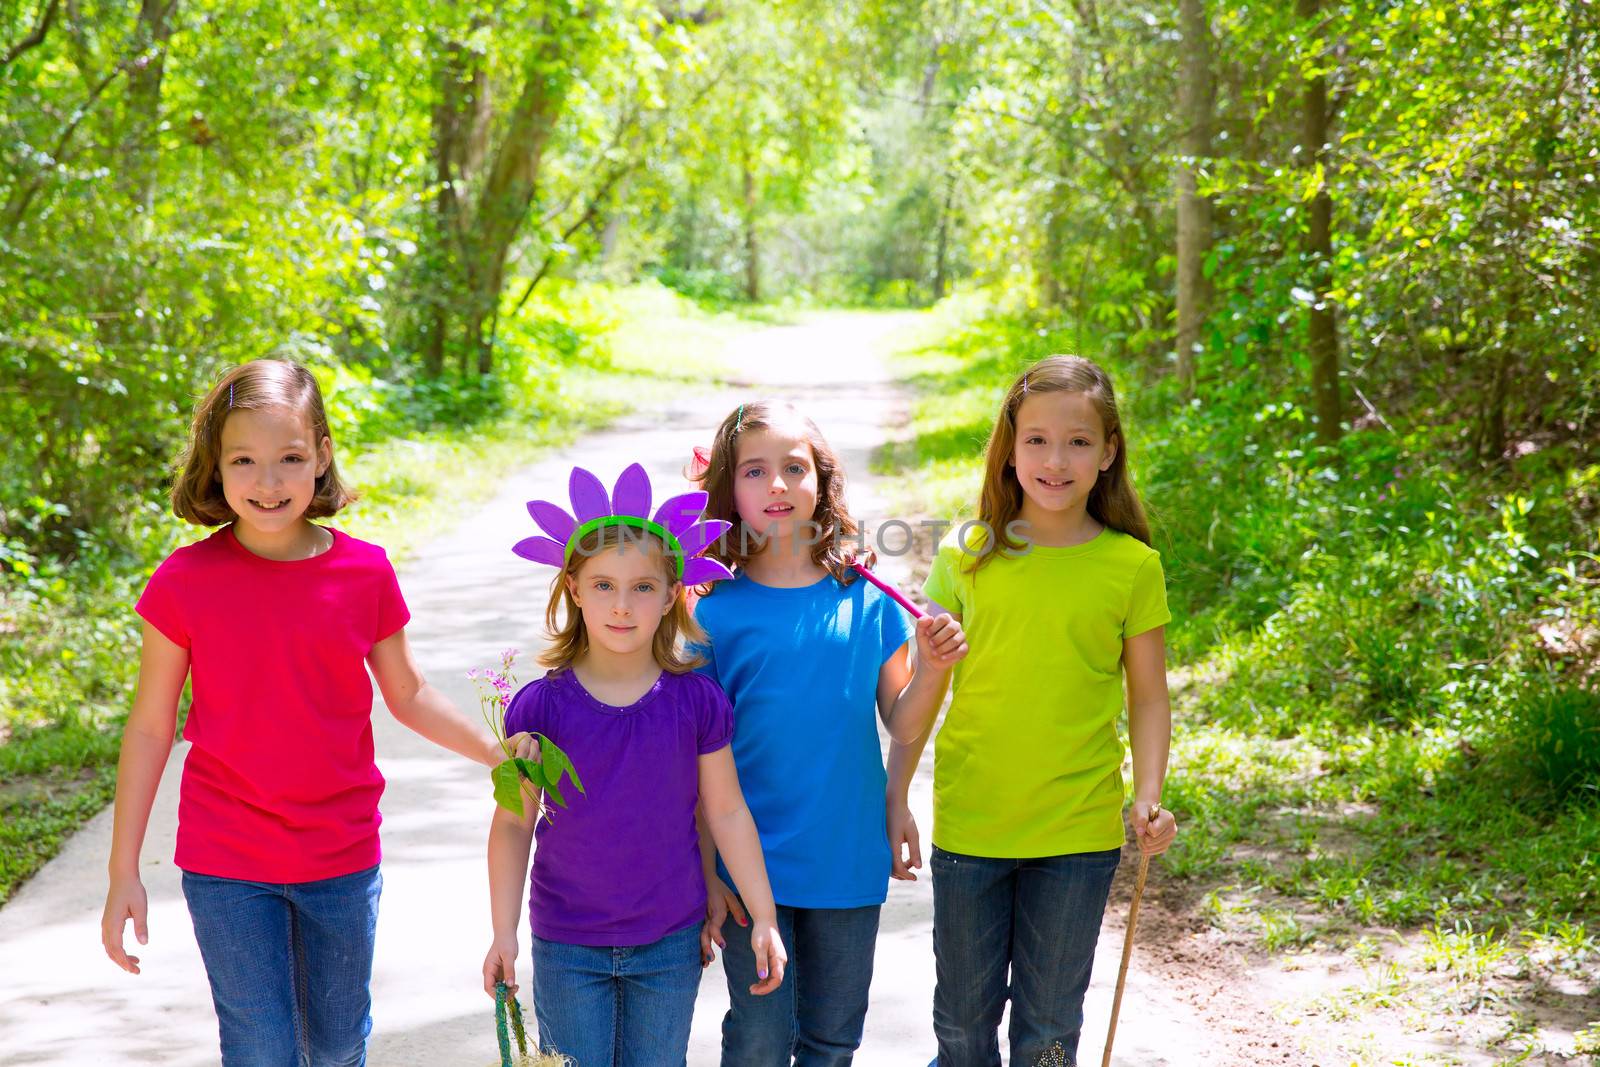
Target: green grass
<point>69,638</point>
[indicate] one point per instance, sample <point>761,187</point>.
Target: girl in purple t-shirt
<point>617,894</point>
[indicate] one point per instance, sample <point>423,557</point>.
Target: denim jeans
<point>814,1019</point>
<point>1039,919</point>
<point>617,1007</point>
<point>289,966</point>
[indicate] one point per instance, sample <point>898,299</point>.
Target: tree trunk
<point>1195,100</point>
<point>141,146</point>
<point>752,252</point>
<point>942,247</point>
<point>1322,333</point>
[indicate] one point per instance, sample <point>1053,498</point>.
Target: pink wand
<point>894,594</point>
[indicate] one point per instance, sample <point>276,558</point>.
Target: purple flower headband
<point>676,522</point>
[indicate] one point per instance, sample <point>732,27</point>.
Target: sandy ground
<point>62,1002</point>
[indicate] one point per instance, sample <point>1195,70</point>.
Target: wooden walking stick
<point>1127,942</point>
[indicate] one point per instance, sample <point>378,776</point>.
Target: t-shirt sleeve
<point>525,713</point>
<point>715,726</point>
<point>946,584</point>
<point>1147,605</point>
<point>160,604</point>
<point>895,626</point>
<point>392,611</point>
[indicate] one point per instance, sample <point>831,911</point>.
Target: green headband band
<point>674,546</point>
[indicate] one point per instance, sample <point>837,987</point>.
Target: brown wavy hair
<point>1112,502</point>
<point>569,638</point>
<point>261,384</point>
<point>832,517</point>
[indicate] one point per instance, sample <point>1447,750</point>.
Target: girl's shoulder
<point>355,550</point>
<point>1127,549</point>
<point>532,699</point>
<point>195,557</point>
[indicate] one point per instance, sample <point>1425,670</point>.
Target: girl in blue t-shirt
<point>807,654</point>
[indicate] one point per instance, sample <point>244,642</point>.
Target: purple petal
<point>701,570</point>
<point>631,494</point>
<point>681,512</point>
<point>541,550</point>
<point>699,536</point>
<point>589,500</point>
<point>552,520</point>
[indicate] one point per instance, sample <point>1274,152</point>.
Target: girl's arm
<point>422,708</point>
<point>720,900</point>
<point>734,831</point>
<point>510,840</point>
<point>146,745</point>
<point>909,698</point>
<point>1144,659</point>
<point>905,842</point>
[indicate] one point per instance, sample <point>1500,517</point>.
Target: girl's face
<point>269,466</point>
<point>1060,451</point>
<point>624,593</point>
<point>775,483</point>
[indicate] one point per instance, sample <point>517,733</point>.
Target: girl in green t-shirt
<point>1061,597</point>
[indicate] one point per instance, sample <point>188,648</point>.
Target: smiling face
<point>269,465</point>
<point>775,483</point>
<point>1060,450</point>
<point>623,593</point>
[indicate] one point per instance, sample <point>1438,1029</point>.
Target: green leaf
<point>508,787</point>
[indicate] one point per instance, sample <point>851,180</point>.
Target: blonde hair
<point>1112,502</point>
<point>261,384</point>
<point>832,515</point>
<point>564,619</point>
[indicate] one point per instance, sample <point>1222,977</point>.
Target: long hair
<point>261,384</point>
<point>564,619</point>
<point>834,526</point>
<point>1112,502</point>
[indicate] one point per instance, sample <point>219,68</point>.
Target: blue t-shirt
<point>801,668</point>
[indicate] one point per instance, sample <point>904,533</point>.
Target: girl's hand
<point>720,903</point>
<point>770,957</point>
<point>124,900</point>
<point>903,832</point>
<point>1154,835</point>
<point>500,965</point>
<point>941,643</point>
<point>522,746</point>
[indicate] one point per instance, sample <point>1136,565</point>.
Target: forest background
<point>1340,258</point>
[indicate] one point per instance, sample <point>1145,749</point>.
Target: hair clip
<point>1025,382</point>
<point>677,522</point>
<point>230,396</point>
<point>738,422</point>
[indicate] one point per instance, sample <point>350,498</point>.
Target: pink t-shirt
<point>280,784</point>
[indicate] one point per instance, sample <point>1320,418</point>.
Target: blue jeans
<point>815,1017</point>
<point>289,966</point>
<point>1037,918</point>
<point>617,1007</point>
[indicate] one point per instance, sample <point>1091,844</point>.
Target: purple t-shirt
<point>620,864</point>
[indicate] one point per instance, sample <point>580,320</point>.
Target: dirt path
<point>62,1002</point>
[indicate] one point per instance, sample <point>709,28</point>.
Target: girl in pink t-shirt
<point>276,619</point>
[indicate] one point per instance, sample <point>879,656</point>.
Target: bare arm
<point>510,841</point>
<point>734,831</point>
<point>909,695</point>
<point>146,745</point>
<point>905,755</point>
<point>1144,660</point>
<point>422,708</point>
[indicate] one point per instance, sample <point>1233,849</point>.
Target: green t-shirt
<point>1028,762</point>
